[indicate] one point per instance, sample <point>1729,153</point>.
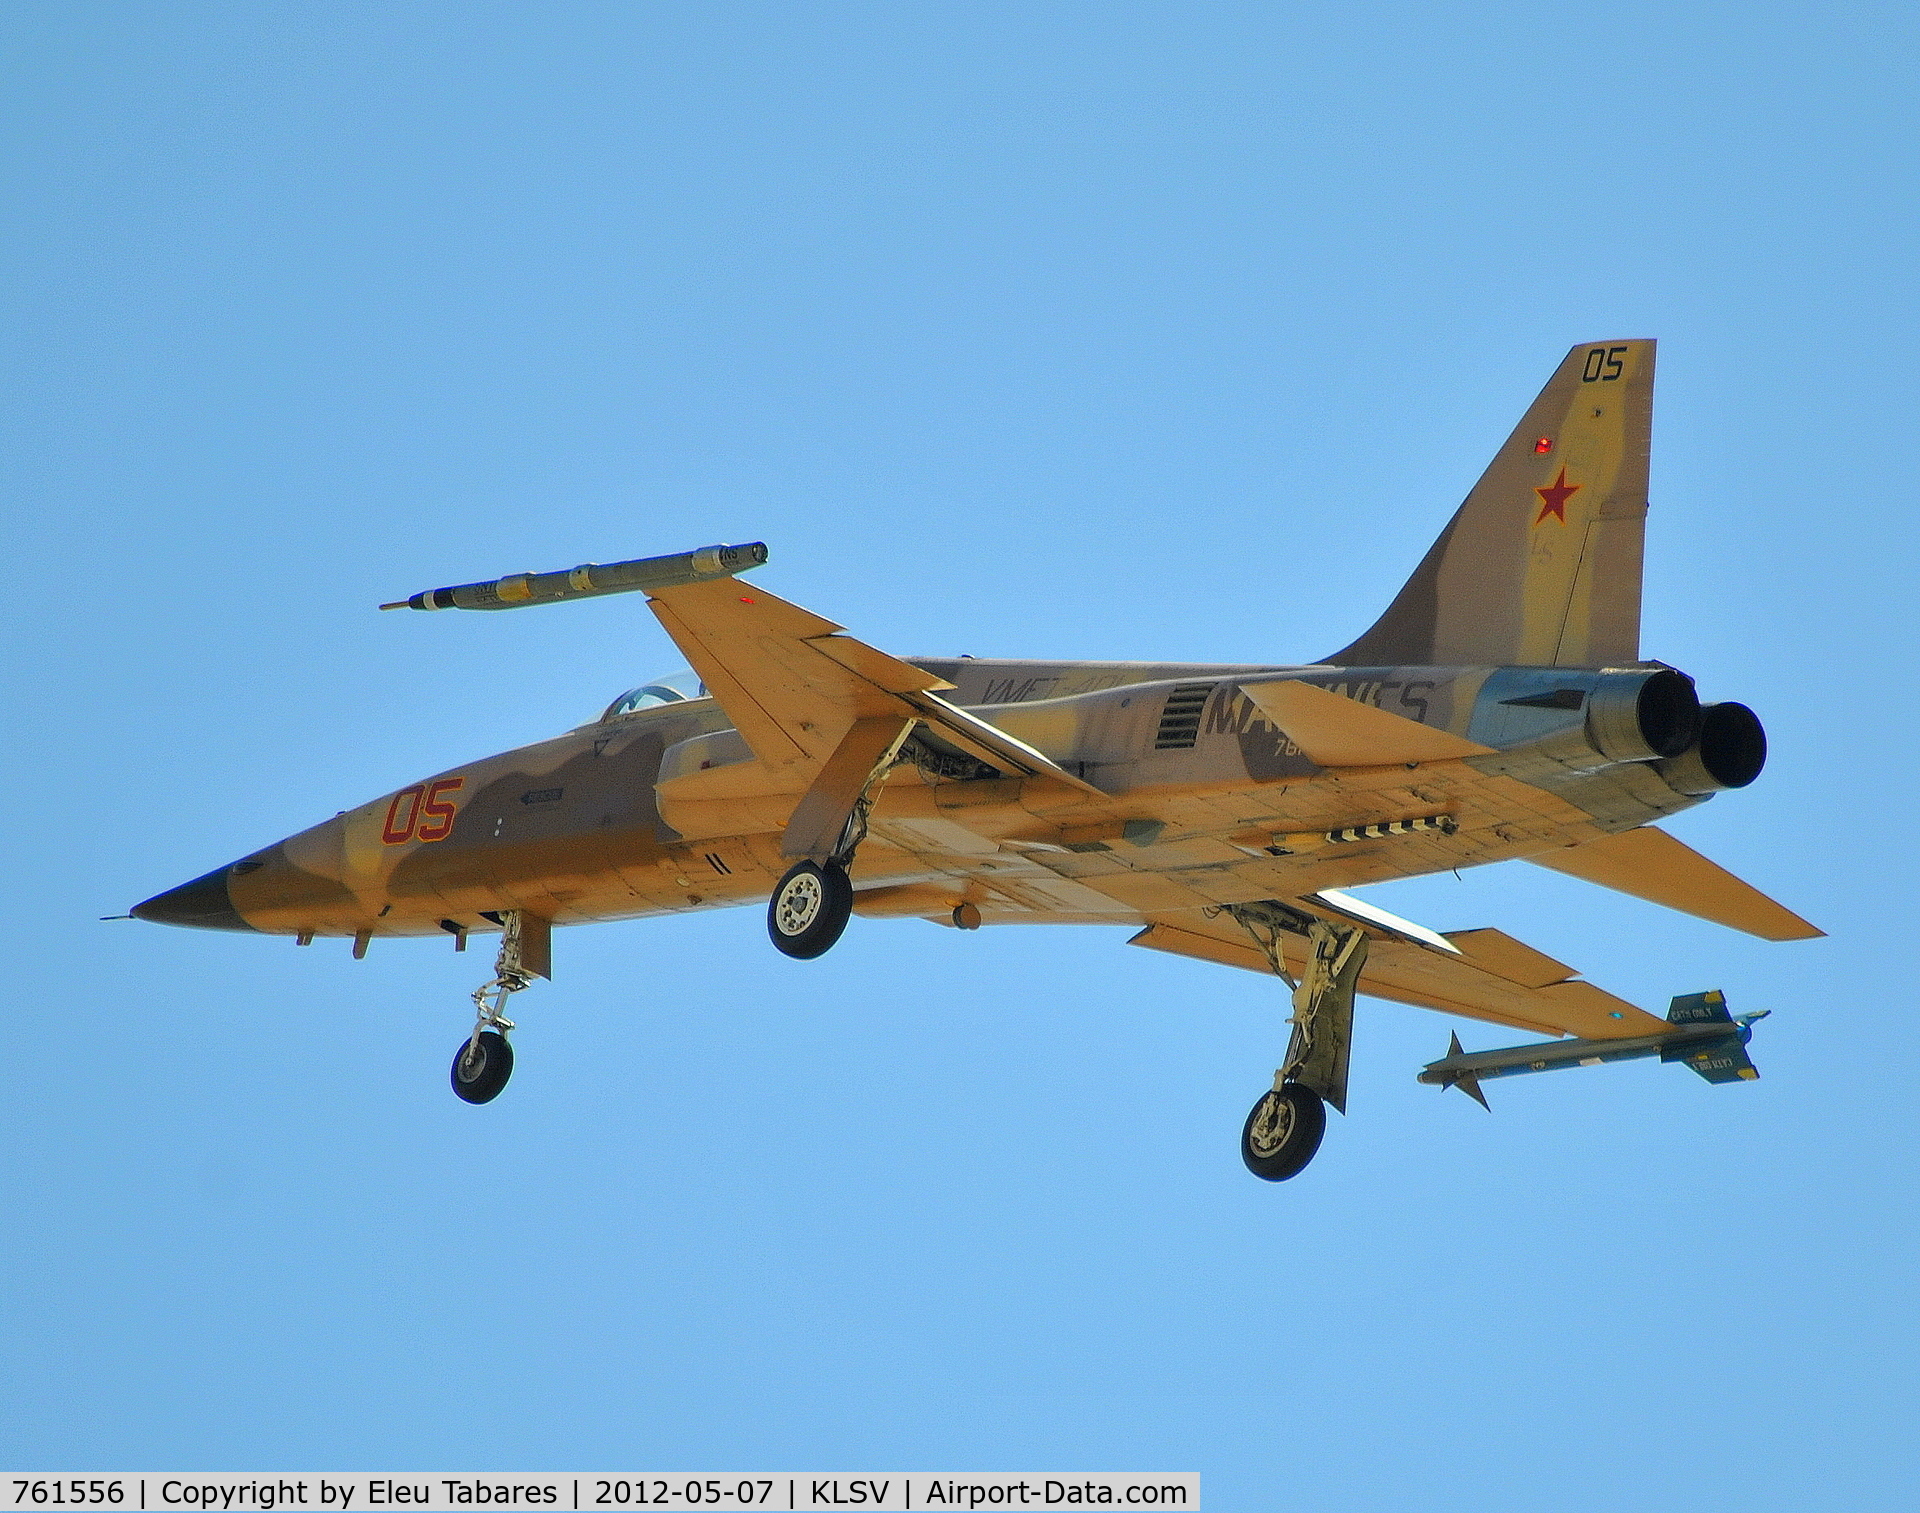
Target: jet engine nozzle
<point>1641,716</point>
<point>1729,754</point>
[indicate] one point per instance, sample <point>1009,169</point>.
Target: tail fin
<point>1724,1060</point>
<point>1700,1008</point>
<point>1541,565</point>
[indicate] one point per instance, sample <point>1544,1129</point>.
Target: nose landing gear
<point>485,1062</point>
<point>482,1066</point>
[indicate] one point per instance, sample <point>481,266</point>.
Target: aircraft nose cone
<point>203,904</point>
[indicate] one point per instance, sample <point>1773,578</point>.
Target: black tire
<point>1283,1132</point>
<point>480,1080</point>
<point>809,909</point>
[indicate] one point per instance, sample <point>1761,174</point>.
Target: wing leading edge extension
<point>821,710</point>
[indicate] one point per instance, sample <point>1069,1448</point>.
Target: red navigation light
<point>1544,444</point>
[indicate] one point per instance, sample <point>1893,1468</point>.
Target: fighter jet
<point>1499,710</point>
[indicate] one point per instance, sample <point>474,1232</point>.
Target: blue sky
<point>1138,331</point>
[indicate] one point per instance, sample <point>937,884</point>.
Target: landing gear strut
<point>812,903</point>
<point>1284,1130</point>
<point>485,1061</point>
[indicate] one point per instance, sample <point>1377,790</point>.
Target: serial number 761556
<point>76,1493</point>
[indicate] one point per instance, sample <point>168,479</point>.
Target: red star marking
<point>1553,499</point>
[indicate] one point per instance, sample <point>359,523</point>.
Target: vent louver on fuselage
<point>1180,720</point>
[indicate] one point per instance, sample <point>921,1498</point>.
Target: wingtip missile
<point>1701,1035</point>
<point>591,580</point>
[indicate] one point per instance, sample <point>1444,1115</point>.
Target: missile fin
<point>1467,1082</point>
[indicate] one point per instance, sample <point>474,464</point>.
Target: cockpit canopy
<point>675,687</point>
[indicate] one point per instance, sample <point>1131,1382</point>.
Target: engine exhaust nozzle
<point>1729,754</point>
<point>1640,717</point>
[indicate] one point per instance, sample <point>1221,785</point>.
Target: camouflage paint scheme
<point>1506,677</point>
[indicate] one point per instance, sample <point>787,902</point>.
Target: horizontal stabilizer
<point>1335,731</point>
<point>1650,864</point>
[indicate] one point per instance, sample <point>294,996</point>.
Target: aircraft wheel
<point>480,1072</point>
<point>809,908</point>
<point>1283,1132</point>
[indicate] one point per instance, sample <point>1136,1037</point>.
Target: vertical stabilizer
<point>1541,565</point>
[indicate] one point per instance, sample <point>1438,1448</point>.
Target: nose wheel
<point>482,1066</point>
<point>484,1062</point>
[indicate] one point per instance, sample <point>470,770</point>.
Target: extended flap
<point>1404,971</point>
<point>874,665</point>
<point>1213,946</point>
<point>1515,960</point>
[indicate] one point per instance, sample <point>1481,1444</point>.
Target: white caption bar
<point>616,1492</point>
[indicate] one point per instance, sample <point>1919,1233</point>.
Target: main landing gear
<point>485,1061</point>
<point>810,908</point>
<point>811,905</point>
<point>1283,1131</point>
<point>1285,1128</point>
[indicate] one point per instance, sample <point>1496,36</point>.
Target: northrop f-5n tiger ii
<point>1500,709</point>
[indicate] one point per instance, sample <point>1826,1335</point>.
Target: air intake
<point>1180,720</point>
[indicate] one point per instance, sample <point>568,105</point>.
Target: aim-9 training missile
<point>592,579</point>
<point>1704,1037</point>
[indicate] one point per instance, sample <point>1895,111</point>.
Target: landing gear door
<point>1322,1039</point>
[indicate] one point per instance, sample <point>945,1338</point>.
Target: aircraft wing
<point>796,687</point>
<point>1476,974</point>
